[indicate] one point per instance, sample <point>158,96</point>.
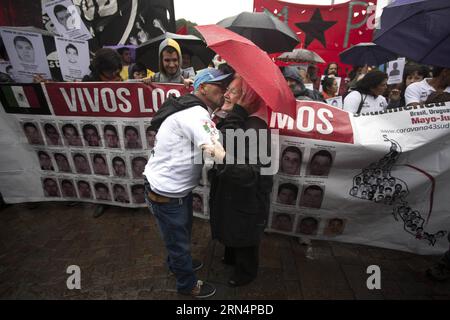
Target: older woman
<point>240,194</point>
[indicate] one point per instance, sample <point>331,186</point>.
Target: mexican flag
<point>17,96</point>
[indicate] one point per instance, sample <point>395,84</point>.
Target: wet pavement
<point>121,256</point>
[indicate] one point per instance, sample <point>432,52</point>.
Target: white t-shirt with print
<point>419,91</point>
<point>175,164</point>
<point>370,104</point>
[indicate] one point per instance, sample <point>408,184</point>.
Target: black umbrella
<point>147,53</point>
<point>264,30</point>
<point>419,30</point>
<point>366,53</point>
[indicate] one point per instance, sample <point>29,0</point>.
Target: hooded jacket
<point>300,91</point>
<point>173,105</point>
<point>161,76</point>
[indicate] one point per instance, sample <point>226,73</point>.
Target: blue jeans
<point>175,225</point>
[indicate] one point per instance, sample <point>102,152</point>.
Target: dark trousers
<point>245,261</point>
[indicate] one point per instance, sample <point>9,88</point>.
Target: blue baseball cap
<point>210,75</point>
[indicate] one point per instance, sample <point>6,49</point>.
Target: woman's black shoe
<point>235,283</point>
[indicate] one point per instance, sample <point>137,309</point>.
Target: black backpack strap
<point>361,103</point>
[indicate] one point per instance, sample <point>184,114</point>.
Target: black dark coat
<point>239,195</point>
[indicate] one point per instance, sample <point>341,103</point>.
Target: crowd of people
<point>365,88</point>
<point>239,199</point>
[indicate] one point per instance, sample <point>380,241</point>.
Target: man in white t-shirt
<point>418,92</point>
<point>174,170</point>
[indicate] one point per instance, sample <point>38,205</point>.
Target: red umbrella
<point>254,66</point>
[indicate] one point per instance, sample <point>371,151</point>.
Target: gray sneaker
<point>202,290</point>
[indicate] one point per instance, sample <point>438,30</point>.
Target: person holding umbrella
<point>240,193</point>
<point>297,87</point>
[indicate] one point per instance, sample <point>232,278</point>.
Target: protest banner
<point>326,30</point>
<point>378,179</point>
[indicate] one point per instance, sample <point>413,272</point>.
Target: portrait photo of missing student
<point>137,192</point>
<point>283,221</point>
<point>65,17</point>
<point>291,160</point>
<point>197,203</point>
<point>150,135</point>
<point>138,166</point>
<point>72,54</point>
<point>71,135</point>
<point>132,138</point>
<point>45,162</point>
<point>111,137</point>
<point>84,189</point>
<point>312,196</point>
<point>102,191</point>
<point>334,227</point>
<point>99,164</point>
<point>287,193</point>
<point>81,163</point>
<point>91,136</point>
<point>68,188</point>
<point>308,226</point>
<point>50,186</point>
<point>62,163</point>
<point>320,163</point>
<point>120,193</point>
<point>27,55</point>
<point>32,133</point>
<point>52,135</point>
<point>119,167</point>
<point>24,49</point>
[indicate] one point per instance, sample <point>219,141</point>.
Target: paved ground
<point>121,256</point>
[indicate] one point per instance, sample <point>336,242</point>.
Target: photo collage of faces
<point>299,190</point>
<point>99,161</point>
<point>378,186</point>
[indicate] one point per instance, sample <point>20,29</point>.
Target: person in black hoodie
<point>299,90</point>
<point>240,194</point>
